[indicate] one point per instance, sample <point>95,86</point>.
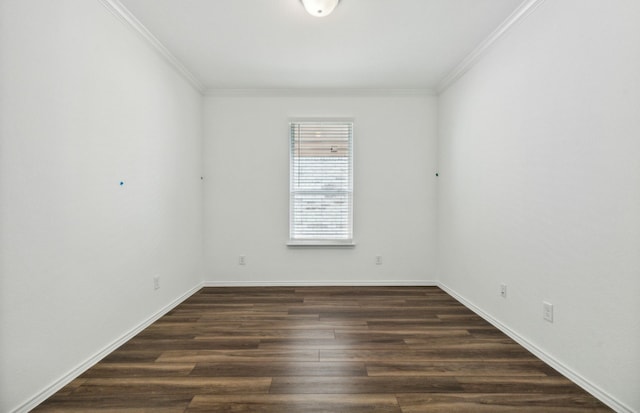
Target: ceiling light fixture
<point>319,8</point>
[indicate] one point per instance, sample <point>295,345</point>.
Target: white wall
<point>85,103</point>
<point>539,188</point>
<point>539,155</point>
<point>247,190</point>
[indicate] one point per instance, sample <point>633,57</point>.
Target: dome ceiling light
<point>319,8</point>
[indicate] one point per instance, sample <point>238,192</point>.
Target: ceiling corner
<point>127,18</point>
<point>526,8</point>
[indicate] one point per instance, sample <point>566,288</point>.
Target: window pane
<point>321,181</point>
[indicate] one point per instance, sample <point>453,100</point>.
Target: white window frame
<point>324,242</point>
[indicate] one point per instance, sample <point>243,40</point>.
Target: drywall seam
<point>91,361</point>
<point>591,388</point>
<point>124,15</point>
<point>476,54</point>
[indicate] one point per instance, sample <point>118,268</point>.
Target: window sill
<point>321,243</point>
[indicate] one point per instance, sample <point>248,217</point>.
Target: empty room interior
<point>355,205</point>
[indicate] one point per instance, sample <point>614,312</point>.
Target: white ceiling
<point>364,44</point>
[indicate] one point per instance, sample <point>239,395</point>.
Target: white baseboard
<point>556,364</point>
<point>591,388</point>
<point>91,361</point>
<point>394,283</point>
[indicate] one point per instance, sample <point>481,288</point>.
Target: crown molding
<point>125,16</point>
<point>316,92</point>
<point>472,58</point>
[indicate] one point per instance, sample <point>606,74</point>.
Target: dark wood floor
<point>321,349</point>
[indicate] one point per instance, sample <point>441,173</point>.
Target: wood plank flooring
<point>321,349</point>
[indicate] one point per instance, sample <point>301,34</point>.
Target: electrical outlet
<point>503,290</point>
<point>378,259</point>
<point>156,282</point>
<point>547,311</point>
<point>242,260</point>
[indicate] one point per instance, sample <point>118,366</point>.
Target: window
<point>321,183</point>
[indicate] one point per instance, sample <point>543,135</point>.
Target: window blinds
<point>321,188</point>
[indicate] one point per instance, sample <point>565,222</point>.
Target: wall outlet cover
<point>547,311</point>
